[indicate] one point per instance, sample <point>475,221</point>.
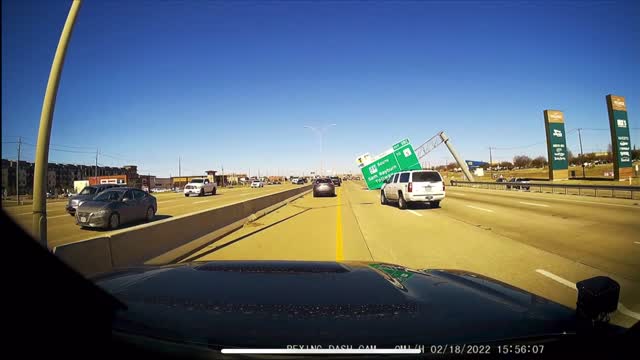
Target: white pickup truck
<point>200,187</point>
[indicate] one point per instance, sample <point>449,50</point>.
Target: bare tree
<point>539,162</point>
<point>522,161</point>
<point>506,165</point>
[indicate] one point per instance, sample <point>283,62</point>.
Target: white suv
<point>413,186</point>
<point>200,187</point>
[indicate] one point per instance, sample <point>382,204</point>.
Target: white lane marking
<point>415,213</point>
<point>57,216</point>
<point>621,308</point>
<point>637,242</point>
<point>532,204</point>
<point>479,208</point>
<point>31,213</point>
<point>199,202</point>
<point>557,278</point>
<point>166,201</point>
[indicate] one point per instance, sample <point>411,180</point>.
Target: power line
<point>518,147</point>
<point>71,146</point>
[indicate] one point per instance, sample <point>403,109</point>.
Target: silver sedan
<point>116,206</point>
<point>323,187</point>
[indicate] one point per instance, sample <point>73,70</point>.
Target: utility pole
<point>581,155</point>
<point>96,171</point>
<point>490,163</point>
<point>18,172</point>
<point>179,167</point>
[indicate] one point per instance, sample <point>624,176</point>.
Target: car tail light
<point>410,187</point>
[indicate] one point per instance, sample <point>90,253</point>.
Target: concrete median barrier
<point>166,240</point>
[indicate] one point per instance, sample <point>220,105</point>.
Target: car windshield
<point>89,190</point>
<point>109,195</point>
<point>426,176</point>
<point>403,118</point>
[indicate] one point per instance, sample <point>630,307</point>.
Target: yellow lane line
<point>339,241</point>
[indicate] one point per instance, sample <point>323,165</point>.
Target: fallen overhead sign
<point>376,170</point>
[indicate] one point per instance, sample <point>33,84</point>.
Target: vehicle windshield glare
<point>426,176</point>
<point>109,196</point>
<point>89,190</point>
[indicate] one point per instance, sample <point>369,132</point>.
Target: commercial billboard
<point>620,138</point>
<point>556,145</point>
<point>108,179</point>
<point>399,158</point>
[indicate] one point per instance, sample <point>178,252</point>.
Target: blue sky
<point>233,83</point>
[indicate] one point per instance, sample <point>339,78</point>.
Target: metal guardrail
<point>624,192</point>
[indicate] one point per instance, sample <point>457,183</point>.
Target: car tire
<point>434,204</point>
<point>383,199</point>
<point>314,194</point>
<point>72,214</point>
<point>186,195</point>
<point>114,221</point>
<point>150,215</point>
<point>213,192</point>
<point>402,203</point>
<point>201,192</point>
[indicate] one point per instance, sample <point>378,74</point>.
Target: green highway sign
<point>400,157</point>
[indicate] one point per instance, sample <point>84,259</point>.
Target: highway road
<point>543,243</point>
<point>62,229</point>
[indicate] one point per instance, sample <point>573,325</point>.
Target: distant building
<point>109,179</point>
<point>163,183</point>
<point>60,177</point>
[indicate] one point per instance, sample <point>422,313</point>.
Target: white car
<point>200,187</point>
<point>405,187</point>
<point>257,184</point>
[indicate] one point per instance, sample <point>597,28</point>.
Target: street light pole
<point>39,218</point>
<point>320,133</point>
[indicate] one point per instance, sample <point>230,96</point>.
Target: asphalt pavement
<point>62,228</point>
<point>543,243</point>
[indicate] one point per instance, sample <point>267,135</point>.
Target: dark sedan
<point>116,206</point>
<point>336,181</point>
<point>323,187</point>
<point>518,183</point>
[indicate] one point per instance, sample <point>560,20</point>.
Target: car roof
<point>121,188</point>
